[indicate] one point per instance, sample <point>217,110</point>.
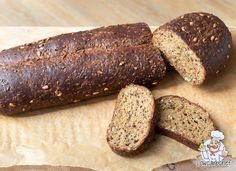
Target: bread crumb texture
<point>197,45</point>
<point>132,119</point>
<point>184,118</point>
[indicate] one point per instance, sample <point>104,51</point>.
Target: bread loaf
<point>183,121</point>
<point>105,37</point>
<point>197,45</point>
<point>73,67</point>
<point>133,121</point>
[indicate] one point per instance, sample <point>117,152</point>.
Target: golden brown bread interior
<point>133,120</point>
<point>197,45</point>
<point>181,56</point>
<point>183,120</point>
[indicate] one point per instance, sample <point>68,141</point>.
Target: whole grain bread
<point>133,121</point>
<point>197,45</point>
<point>73,67</point>
<point>183,121</point>
<point>66,44</point>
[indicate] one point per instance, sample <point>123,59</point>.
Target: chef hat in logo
<point>217,135</point>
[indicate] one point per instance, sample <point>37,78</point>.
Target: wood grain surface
<point>104,12</point>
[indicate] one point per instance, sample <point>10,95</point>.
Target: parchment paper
<point>75,135</point>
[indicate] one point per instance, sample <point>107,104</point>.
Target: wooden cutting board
<point>74,135</point>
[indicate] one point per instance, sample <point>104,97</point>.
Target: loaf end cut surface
<point>183,121</point>
<point>197,45</point>
<point>132,124</point>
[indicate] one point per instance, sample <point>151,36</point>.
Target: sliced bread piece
<point>133,121</point>
<point>183,121</point>
<point>197,45</point>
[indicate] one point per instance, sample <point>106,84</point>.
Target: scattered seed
<point>201,15</point>
<point>38,53</point>
<point>31,101</point>
<point>41,48</point>
<point>45,87</point>
<point>217,71</point>
<point>22,47</point>
<point>182,28</point>
<point>182,17</point>
<point>135,68</point>
<point>12,105</point>
<point>75,101</point>
<point>227,56</point>
<point>41,41</point>
<point>58,93</point>
<point>214,25</point>
<point>212,38</point>
<point>194,39</point>
<point>229,46</point>
<point>191,23</point>
<point>95,93</point>
<point>113,129</point>
<point>190,52</point>
<point>23,109</point>
<point>106,89</point>
<point>40,45</point>
<point>187,79</point>
<point>121,63</point>
<point>8,88</point>
<point>154,83</point>
<point>99,72</point>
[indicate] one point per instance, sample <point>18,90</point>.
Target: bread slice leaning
<point>133,121</point>
<point>183,121</point>
<point>197,45</point>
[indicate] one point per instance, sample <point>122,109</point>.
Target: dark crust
<point>178,138</point>
<point>149,138</point>
<point>174,135</point>
<point>79,76</point>
<point>207,36</point>
<point>69,43</point>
